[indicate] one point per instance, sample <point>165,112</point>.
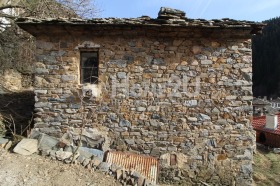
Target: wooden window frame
<point>95,66</point>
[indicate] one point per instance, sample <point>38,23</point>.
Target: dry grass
<point>266,168</point>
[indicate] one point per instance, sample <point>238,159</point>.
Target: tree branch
<point>7,16</point>
<point>10,6</point>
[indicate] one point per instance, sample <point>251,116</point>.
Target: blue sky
<point>253,10</point>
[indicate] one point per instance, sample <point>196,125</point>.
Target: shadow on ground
<point>16,112</point>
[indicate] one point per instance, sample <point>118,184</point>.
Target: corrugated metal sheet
<point>147,166</point>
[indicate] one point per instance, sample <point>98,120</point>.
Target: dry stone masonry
<point>174,88</point>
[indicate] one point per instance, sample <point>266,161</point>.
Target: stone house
<point>171,87</point>
<point>275,103</point>
<point>260,106</point>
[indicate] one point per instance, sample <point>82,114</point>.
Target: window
<point>89,67</point>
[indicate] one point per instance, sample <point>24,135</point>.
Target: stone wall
<point>182,97</point>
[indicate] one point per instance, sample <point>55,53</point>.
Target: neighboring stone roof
<point>275,100</point>
<point>257,101</point>
<point>270,110</point>
<point>167,17</point>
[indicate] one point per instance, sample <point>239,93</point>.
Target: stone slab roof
<point>168,20</point>
<point>147,21</point>
<point>167,17</point>
<point>257,101</point>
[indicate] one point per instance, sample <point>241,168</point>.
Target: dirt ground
<point>35,170</point>
<point>19,170</point>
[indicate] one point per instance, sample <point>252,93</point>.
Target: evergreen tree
<point>266,60</point>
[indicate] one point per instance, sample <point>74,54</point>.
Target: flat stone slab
<point>26,147</point>
<point>34,134</point>
<point>3,142</point>
<point>46,142</point>
<point>88,153</point>
<point>276,150</point>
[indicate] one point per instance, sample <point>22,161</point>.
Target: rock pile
<point>61,150</point>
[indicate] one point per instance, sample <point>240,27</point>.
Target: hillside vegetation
<point>266,168</point>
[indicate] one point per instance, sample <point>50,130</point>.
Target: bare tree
<point>49,8</point>
<point>83,8</point>
<point>12,54</point>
